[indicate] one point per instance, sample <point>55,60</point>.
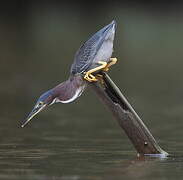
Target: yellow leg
<point>104,66</point>
<point>89,76</point>
<point>112,62</point>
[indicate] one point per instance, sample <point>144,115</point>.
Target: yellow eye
<point>40,103</point>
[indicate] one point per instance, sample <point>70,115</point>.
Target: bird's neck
<point>69,90</point>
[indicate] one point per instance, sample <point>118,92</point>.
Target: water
<point>86,146</point>
<point>82,140</point>
<point>58,152</point>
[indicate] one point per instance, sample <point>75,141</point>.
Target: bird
<point>93,56</point>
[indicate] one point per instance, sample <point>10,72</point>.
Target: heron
<point>93,56</point>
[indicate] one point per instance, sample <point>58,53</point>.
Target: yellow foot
<point>111,62</point>
<point>104,66</point>
<point>89,76</point>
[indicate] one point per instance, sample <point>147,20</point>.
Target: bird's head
<point>43,101</point>
<point>65,92</point>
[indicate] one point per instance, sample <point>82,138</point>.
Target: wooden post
<point>129,121</point>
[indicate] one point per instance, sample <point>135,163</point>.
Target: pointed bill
<point>35,111</point>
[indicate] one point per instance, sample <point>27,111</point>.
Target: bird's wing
<point>85,54</point>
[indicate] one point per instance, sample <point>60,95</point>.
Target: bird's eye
<point>40,103</point>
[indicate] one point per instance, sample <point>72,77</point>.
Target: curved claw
<point>89,77</point>
<point>112,62</point>
<point>104,66</point>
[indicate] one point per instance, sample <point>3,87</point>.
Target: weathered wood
<point>129,121</point>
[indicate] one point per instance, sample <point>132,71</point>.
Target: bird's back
<point>87,53</point>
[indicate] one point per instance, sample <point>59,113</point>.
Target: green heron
<point>93,56</point>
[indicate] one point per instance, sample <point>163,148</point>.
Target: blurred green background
<point>38,40</point>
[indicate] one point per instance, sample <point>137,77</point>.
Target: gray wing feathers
<point>85,55</point>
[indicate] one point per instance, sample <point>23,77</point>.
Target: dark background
<point>38,40</point>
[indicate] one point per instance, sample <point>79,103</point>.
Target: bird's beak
<point>35,111</point>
